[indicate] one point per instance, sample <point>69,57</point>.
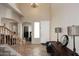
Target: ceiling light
<point>34,5</point>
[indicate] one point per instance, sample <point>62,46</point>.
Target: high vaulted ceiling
<point>40,13</point>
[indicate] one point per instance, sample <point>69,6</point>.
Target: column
<point>20,30</point>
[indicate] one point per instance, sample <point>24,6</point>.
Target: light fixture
<point>73,31</point>
<point>34,5</point>
<point>58,30</point>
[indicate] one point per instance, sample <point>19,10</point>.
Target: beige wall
<point>32,14</point>
<point>64,15</point>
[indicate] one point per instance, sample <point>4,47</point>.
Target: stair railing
<point>9,37</point>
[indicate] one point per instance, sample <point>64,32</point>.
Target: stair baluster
<point>10,38</point>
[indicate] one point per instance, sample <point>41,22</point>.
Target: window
<point>36,29</point>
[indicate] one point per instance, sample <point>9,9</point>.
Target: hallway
<point>29,49</point>
<point>36,50</point>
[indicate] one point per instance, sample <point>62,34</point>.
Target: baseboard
<point>43,43</point>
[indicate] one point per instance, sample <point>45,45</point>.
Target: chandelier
<point>34,5</point>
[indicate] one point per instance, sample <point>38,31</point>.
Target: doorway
<point>26,34</point>
<point>41,32</point>
<point>27,30</point>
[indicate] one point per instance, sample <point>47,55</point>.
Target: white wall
<point>14,7</point>
<point>34,40</point>
<point>45,32</point>
<point>2,11</point>
<point>64,15</point>
<point>8,13</point>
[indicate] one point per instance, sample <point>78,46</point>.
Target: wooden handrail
<point>11,34</point>
<point>7,37</point>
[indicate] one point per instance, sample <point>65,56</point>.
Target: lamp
<point>73,31</point>
<point>58,30</point>
<point>34,5</point>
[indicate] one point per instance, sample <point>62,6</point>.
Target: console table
<point>58,50</point>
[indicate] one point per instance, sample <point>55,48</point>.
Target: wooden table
<point>58,50</point>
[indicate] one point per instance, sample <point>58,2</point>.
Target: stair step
<point>4,51</point>
<point>7,53</point>
<point>4,54</point>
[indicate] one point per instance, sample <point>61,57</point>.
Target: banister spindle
<point>2,38</point>
<point>4,35</point>
<point>11,39</point>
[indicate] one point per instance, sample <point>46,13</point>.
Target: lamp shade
<point>73,30</point>
<point>58,29</point>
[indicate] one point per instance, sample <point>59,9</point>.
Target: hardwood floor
<point>32,50</point>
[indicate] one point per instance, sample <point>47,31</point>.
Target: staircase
<point>6,50</point>
<point>10,43</point>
